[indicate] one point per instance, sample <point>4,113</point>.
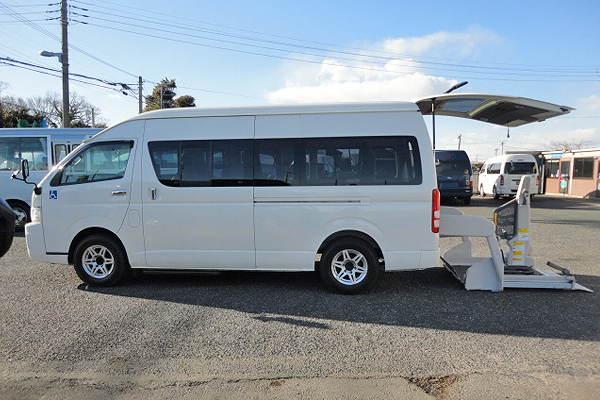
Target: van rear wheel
<point>100,261</point>
<point>350,266</point>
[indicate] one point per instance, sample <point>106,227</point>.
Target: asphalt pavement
<point>257,335</point>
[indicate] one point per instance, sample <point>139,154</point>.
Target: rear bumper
<point>456,192</point>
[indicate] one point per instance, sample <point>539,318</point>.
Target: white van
<point>346,189</point>
<point>501,175</point>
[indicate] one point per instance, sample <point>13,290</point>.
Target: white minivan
<point>501,175</point>
<point>347,190</point>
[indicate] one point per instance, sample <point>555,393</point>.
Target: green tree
<point>185,101</point>
<point>163,96</point>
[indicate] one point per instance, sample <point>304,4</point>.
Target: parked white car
<point>501,175</point>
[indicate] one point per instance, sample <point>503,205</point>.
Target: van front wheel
<point>100,261</point>
<point>350,266</point>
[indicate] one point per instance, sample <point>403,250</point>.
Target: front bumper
<point>36,245</point>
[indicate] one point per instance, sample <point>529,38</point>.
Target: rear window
<point>452,163</point>
<point>519,168</point>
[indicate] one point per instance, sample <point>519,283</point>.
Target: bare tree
<point>566,145</point>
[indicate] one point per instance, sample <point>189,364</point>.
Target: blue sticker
<point>53,194</point>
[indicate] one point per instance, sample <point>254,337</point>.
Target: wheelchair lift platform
<point>515,269</point>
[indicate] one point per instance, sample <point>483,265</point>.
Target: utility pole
<point>459,139</point>
<point>140,93</point>
<point>66,120</point>
<point>502,146</point>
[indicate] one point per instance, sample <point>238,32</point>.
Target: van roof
<point>513,157</point>
<point>191,112</point>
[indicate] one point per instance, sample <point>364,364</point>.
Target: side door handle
<point>119,192</point>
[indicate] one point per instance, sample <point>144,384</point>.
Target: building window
<point>564,169</point>
<point>583,168</point>
<point>552,168</point>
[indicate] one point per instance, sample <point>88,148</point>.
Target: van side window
<point>494,168</point>
<point>285,162</point>
<point>195,163</point>
<point>361,161</point>
<point>32,149</point>
<point>275,162</point>
<point>96,162</point>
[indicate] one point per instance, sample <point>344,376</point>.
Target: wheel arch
<point>349,234</point>
<point>94,231</point>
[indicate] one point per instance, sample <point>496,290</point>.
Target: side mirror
<point>24,172</point>
<point>25,168</point>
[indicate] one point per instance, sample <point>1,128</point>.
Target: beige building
<point>574,172</point>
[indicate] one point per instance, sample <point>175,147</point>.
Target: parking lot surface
<point>252,335</point>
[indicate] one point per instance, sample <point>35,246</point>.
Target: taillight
<point>435,211</point>
<point>471,184</point>
<point>537,180</point>
<point>501,180</point>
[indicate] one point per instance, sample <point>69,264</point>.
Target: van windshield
<point>519,168</point>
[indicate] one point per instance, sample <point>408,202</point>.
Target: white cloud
<point>445,44</point>
<point>388,71</point>
<point>591,103</point>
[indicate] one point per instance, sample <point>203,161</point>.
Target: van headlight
<point>36,214</point>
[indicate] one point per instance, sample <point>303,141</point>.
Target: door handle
<point>153,193</point>
<point>119,192</point>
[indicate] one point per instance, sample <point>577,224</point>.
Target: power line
<point>379,58</point>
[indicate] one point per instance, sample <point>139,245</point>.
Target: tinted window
<point>361,161</point>
<point>452,163</point>
<point>519,168</point>
<point>279,162</point>
<point>583,168</point>
<point>275,162</point>
<point>203,162</point>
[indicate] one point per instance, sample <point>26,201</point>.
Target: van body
<point>42,148</point>
<point>454,174</point>
<point>501,175</point>
<point>344,189</point>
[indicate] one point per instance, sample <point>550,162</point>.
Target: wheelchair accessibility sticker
<point>53,194</point>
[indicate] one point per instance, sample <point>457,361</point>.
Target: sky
<point>231,53</point>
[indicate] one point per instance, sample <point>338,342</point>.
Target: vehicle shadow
<point>430,299</point>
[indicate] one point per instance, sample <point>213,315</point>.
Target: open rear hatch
<point>515,268</point>
<point>494,109</point>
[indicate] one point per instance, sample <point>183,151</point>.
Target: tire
<point>495,192</point>
<point>23,212</point>
<point>466,200</point>
<point>481,192</point>
<point>100,261</point>
<point>350,266</point>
